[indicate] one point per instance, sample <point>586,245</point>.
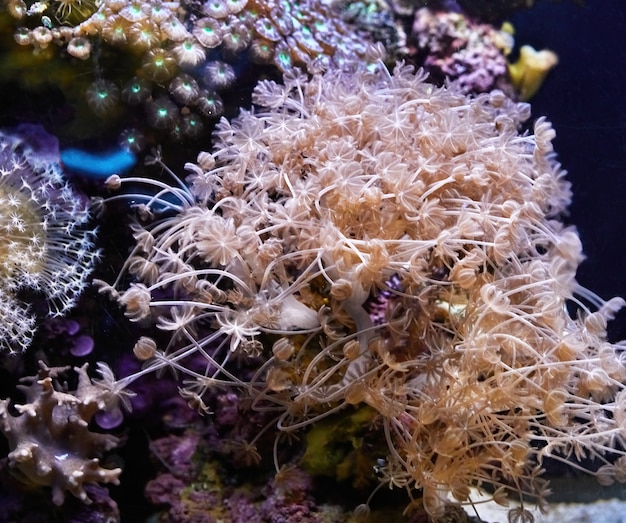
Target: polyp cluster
<point>372,239</point>
<point>45,242</point>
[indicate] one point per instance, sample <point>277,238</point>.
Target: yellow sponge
<point>531,68</point>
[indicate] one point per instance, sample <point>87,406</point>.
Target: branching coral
<point>373,239</point>
<point>49,439</point>
<point>45,243</point>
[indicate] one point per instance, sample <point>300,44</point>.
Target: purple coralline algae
<point>456,47</point>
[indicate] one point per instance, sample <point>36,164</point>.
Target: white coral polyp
<point>422,226</point>
<point>50,441</point>
<point>45,243</point>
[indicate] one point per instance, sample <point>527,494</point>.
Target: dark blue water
<point>585,98</point>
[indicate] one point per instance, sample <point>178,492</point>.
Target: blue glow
<point>98,165</point>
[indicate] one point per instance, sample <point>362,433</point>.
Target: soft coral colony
<point>371,239</point>
<point>47,243</point>
<point>47,248</point>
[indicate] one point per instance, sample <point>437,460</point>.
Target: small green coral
<point>338,447</point>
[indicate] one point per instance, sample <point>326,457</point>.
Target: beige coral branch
<point>50,442</point>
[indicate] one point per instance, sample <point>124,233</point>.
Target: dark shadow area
<point>584,98</point>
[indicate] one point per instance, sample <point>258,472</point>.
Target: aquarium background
<point>585,99</point>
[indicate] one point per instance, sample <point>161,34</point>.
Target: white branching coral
<point>45,242</point>
<point>50,442</point>
<point>381,241</point>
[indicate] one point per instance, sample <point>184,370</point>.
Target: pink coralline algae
<point>203,494</point>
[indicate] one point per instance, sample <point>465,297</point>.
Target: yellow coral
<point>530,70</point>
